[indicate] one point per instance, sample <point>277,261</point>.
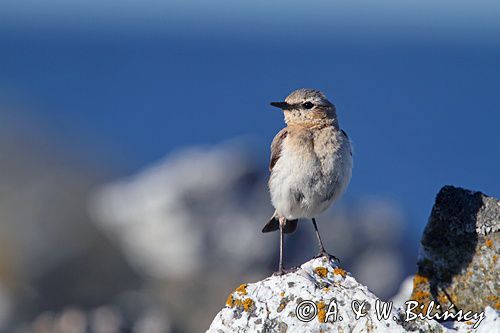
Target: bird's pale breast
<point>313,170</point>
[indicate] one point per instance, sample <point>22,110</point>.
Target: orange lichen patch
<point>326,289</point>
<point>442,299</point>
<point>230,301</point>
<point>489,243</point>
<point>242,289</point>
<point>491,298</point>
<point>424,297</point>
<point>282,293</point>
<point>247,304</point>
<point>420,279</point>
<point>420,296</point>
<point>453,298</point>
<point>282,305</point>
<point>339,271</point>
<point>321,271</point>
<point>497,305</point>
<point>321,311</point>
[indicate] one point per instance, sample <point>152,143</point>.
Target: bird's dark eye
<point>308,105</point>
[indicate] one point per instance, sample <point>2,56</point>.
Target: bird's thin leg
<point>281,270</point>
<point>282,244</point>
<point>322,252</point>
<point>318,236</point>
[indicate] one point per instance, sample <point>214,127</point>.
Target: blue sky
<point>459,19</point>
<point>415,83</point>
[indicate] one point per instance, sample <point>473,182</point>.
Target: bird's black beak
<point>282,105</point>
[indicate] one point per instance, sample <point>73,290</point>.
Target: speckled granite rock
<point>458,265</point>
<point>458,261</point>
<point>271,305</point>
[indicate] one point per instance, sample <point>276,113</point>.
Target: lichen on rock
<point>270,306</point>
<point>458,261</point>
<point>275,300</point>
<point>458,266</point>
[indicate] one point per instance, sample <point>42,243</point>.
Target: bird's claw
<point>323,253</point>
<point>283,271</point>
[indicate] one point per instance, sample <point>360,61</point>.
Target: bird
<point>310,165</point>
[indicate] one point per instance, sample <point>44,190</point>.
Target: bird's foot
<point>323,253</point>
<point>283,271</point>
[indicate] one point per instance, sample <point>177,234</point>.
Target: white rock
<point>272,305</point>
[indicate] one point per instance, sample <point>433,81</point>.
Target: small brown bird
<point>311,163</point>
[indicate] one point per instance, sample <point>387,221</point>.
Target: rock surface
<point>457,267</point>
<point>271,305</point>
<point>458,261</point>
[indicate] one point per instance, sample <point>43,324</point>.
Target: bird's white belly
<point>302,186</point>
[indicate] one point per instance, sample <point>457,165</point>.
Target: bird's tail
<point>274,224</point>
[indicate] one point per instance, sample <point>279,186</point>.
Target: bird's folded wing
<point>347,137</point>
<point>276,147</point>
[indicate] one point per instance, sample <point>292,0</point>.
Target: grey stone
<point>458,260</point>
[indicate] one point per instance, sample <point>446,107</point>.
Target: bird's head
<point>307,107</point>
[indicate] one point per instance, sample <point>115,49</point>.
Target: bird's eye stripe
<point>308,105</point>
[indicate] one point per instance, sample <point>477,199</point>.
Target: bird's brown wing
<point>276,146</point>
<point>347,137</point>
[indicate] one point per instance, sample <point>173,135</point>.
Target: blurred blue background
<point>112,87</point>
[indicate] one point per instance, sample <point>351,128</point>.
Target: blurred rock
<point>51,254</point>
<point>195,209</point>
<point>458,262</point>
<point>404,292</point>
<point>5,307</point>
<point>379,268</point>
<point>104,319</point>
<point>197,213</point>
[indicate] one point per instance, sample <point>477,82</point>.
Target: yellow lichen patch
<point>420,279</point>
<point>489,243</point>
<point>453,298</point>
<point>230,301</point>
<point>282,293</point>
<point>321,311</point>
<point>491,298</point>
<point>283,303</point>
<point>442,299</point>
<point>420,296</point>
<point>321,271</point>
<point>326,289</point>
<point>339,271</point>
<point>247,304</point>
<point>242,289</point>
<point>281,307</point>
